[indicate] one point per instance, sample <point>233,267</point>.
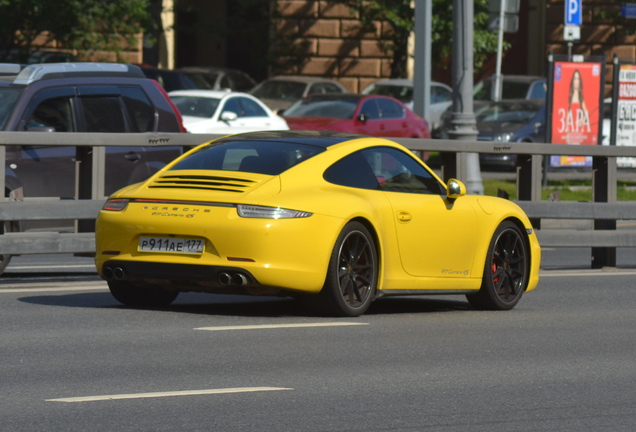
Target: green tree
<point>85,25</point>
<point>400,14</point>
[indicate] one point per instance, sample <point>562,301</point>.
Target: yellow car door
<point>436,236</point>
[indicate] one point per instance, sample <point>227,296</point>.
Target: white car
<point>212,111</point>
<point>402,90</point>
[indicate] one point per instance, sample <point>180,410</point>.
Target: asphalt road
<point>563,360</point>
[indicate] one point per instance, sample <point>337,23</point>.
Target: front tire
<point>131,295</point>
<point>505,272</point>
<point>352,276</point>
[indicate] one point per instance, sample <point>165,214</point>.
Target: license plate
<point>171,244</point>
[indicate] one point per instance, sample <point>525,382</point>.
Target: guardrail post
<point>3,162</point>
<point>604,190</point>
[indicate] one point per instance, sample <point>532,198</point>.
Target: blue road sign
<point>573,14</point>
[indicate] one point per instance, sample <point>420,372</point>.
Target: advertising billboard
<point>576,110</point>
<point>626,119</point>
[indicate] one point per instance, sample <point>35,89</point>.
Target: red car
<point>372,115</point>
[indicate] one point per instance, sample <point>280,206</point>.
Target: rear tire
<point>131,295</point>
<point>352,276</point>
<point>505,272</point>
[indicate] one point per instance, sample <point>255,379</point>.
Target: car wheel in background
<point>505,272</point>
<point>131,295</point>
<point>352,275</point>
<point>4,228</point>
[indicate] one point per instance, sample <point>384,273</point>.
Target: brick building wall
<point>603,31</point>
<point>333,44</point>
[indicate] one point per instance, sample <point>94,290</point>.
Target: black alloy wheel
<point>505,272</point>
<point>353,273</point>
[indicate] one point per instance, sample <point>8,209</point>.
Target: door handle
<point>404,216</point>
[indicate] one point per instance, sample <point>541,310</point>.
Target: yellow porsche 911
<point>336,219</point>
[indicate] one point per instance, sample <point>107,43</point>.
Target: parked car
<point>514,120</point>
<point>172,80</point>
<point>212,111</point>
<point>369,115</point>
<point>402,90</point>
<point>36,56</point>
<point>512,87</point>
<point>280,92</point>
<point>221,78</point>
<point>81,97</point>
<point>333,218</point>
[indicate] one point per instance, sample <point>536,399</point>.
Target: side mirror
<point>228,116</point>
<point>455,189</point>
<point>362,117</point>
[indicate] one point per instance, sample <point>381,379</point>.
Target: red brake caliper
<point>494,269</point>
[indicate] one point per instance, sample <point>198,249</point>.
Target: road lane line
<point>46,267</point>
<point>167,394</point>
<point>585,273</point>
<point>279,326</point>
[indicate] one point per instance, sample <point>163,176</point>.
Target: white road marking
<point>278,326</point>
<point>46,267</point>
<point>55,287</point>
<point>585,272</point>
<point>167,394</point>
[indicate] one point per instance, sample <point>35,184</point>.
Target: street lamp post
<point>463,124</point>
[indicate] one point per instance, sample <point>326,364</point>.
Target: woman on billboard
<point>578,118</point>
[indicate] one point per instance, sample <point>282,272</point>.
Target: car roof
<point>217,94</point>
<point>322,139</point>
<point>41,71</point>
<point>301,78</point>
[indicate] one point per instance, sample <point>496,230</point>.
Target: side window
<point>331,88</point>
<point>251,108</point>
<point>232,105</point>
<point>538,90</point>
<point>103,114</point>
<point>141,112</point>
<point>371,110</point>
<point>352,171</point>
<point>390,109</point>
<point>397,171</point>
<point>315,88</point>
<point>55,113</point>
<point>225,83</point>
<point>440,94</point>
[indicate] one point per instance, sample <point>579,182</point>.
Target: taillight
<point>115,204</point>
<point>176,111</point>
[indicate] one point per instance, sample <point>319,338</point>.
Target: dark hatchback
<point>79,97</point>
<point>513,120</point>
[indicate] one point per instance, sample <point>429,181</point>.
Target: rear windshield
<point>262,157</point>
<point>8,98</point>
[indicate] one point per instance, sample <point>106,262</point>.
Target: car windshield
<point>402,93</point>
<point>8,98</point>
<point>509,90</point>
<point>333,108</point>
<point>504,112</point>
<point>204,107</point>
<point>262,157</point>
<point>282,90</point>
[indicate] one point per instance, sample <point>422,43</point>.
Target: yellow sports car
<point>336,219</point>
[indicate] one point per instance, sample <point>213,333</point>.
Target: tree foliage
<point>401,15</point>
<point>86,25</point>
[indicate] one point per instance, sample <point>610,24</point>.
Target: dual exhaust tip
<point>116,273</point>
<point>224,278</point>
<point>237,279</point>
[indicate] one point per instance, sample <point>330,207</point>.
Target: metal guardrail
<point>604,212</point>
